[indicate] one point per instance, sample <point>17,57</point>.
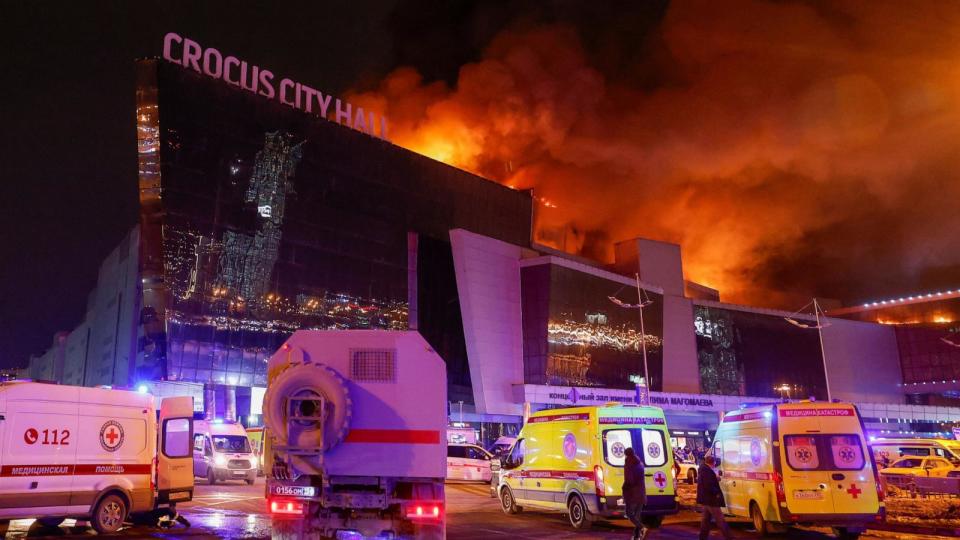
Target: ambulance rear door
<point>39,454</point>
<point>851,469</point>
<point>805,464</point>
<point>175,452</point>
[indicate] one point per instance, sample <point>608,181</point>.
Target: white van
<point>888,450</point>
<point>222,451</point>
<point>798,464</point>
<point>468,462</point>
<point>90,453</point>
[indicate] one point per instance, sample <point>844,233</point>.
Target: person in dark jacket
<point>710,498</point>
<point>634,492</point>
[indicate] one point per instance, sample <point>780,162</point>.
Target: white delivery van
<point>222,451</point>
<point>886,451</point>
<point>91,453</point>
<point>798,464</point>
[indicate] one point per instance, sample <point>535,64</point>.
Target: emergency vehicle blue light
<point>218,420</point>
<point>143,389</point>
<point>767,414</point>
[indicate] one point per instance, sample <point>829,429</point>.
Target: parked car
<point>919,466</point>
<point>502,446</point>
<point>468,462</point>
<point>688,471</point>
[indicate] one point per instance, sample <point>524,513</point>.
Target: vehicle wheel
<point>691,476</point>
<point>762,525</point>
<point>652,522</point>
<point>211,477</point>
<point>4,525</point>
<point>51,522</point>
<point>109,514</point>
<point>578,514</point>
<point>507,502</point>
<point>844,533</point>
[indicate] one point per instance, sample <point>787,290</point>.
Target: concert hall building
<point>258,218</point>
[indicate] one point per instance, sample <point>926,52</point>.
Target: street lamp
<point>642,301</point>
<point>817,311</point>
<point>784,390</point>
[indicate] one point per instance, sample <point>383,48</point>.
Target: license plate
<point>179,495</point>
<point>293,491</point>
<point>808,494</point>
<point>239,473</point>
<point>619,502</point>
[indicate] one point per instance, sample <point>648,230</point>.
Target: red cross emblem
<point>660,479</point>
<point>854,490</point>
<point>111,435</point>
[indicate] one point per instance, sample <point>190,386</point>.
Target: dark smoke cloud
<point>792,148</point>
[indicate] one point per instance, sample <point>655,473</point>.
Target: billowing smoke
<point>792,149</point>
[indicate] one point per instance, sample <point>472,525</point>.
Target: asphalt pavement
<point>238,511</point>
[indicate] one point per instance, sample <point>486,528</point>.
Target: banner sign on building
<point>235,72</point>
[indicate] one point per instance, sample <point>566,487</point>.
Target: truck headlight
<point>219,461</point>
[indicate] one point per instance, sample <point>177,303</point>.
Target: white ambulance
<point>798,464</point>
<point>91,453</point>
<point>222,451</point>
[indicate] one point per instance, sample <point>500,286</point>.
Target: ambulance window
<point>176,437</point>
<point>731,453</point>
<point>802,452</point>
<point>456,452</point>
<point>198,443</point>
<point>905,451</point>
<point>615,444</point>
<point>847,452</point>
<point>654,454</point>
<point>515,459</point>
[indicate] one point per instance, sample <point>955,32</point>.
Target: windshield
<point>231,443</point>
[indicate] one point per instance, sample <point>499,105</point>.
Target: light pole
<point>642,302</point>
<point>817,311</point>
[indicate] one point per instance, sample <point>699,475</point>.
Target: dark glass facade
<point>748,354</point>
<point>575,336</point>
<point>259,219</point>
<point>929,352</point>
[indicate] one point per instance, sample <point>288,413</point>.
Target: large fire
<point>791,150</point>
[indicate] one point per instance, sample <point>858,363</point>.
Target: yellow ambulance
<point>571,460</point>
<point>800,463</point>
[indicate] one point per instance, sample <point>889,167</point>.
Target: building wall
<point>110,351</point>
<point>862,362</point>
<point>488,282</point>
<point>75,355</point>
<point>681,373</point>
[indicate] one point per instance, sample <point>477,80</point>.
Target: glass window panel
<point>802,453</point>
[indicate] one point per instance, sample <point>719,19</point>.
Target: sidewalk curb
<point>914,529</point>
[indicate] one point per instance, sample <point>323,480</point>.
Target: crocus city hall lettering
<point>208,61</point>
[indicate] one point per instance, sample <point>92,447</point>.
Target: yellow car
<point>919,466</point>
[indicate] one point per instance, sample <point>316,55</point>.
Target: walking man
<point>710,498</point>
<point>634,493</point>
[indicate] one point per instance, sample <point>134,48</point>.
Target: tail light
<point>153,475</point>
<point>601,487</point>
<point>423,511</point>
<point>288,507</point>
<point>880,493</point>
<point>781,493</point>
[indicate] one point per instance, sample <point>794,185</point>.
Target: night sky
<point>792,148</point>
